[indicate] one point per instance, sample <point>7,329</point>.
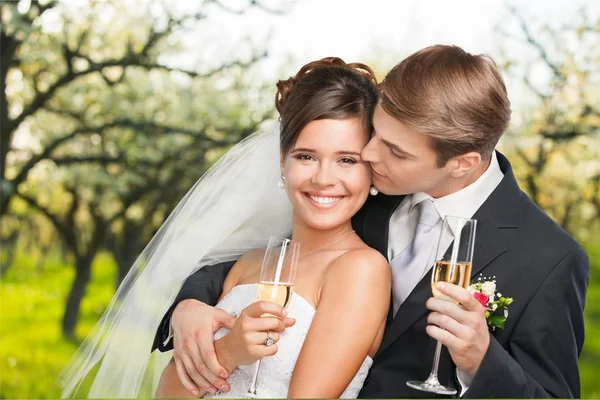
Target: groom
<point>441,114</point>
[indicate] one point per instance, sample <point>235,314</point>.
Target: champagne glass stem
<point>252,390</point>
<point>433,376</point>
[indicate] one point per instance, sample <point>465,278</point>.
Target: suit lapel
<point>377,218</point>
<point>376,227</point>
<point>498,212</point>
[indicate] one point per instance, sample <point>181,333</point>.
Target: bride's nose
<point>324,175</point>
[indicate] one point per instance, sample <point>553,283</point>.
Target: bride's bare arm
<point>350,316</point>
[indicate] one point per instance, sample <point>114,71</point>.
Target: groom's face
<point>402,160</point>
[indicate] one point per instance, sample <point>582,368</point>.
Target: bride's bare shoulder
<point>246,267</point>
<point>363,263</point>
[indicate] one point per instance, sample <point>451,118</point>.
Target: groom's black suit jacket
<point>532,260</point>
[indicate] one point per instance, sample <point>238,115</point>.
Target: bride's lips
<point>322,200</point>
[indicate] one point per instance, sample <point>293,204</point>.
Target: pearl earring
<point>282,183</point>
<point>373,191</point>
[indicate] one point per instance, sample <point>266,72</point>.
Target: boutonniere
<point>484,290</point>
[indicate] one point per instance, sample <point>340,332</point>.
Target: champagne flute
<point>276,282</point>
<point>454,266</point>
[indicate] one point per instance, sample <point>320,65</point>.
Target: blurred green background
<point>111,110</point>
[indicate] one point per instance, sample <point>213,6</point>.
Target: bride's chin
<point>317,222</point>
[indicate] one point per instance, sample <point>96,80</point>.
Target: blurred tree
<point>101,132</point>
<point>558,145</point>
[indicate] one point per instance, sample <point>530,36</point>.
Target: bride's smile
<point>325,178</point>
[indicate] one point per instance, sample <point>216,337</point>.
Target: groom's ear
<point>465,163</point>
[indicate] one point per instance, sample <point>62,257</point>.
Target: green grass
<point>33,352</point>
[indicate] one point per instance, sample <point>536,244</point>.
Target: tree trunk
<point>127,252</point>
<point>78,288</point>
<point>8,253</point>
<point>9,46</point>
<point>64,251</point>
<point>44,252</point>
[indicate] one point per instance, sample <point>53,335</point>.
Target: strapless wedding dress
<point>276,371</point>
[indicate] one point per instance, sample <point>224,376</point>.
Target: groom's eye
<point>304,157</point>
<point>396,154</point>
<point>348,160</point>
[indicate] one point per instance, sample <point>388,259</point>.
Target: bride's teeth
<point>324,200</point>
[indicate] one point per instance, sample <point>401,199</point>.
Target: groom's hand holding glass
<point>457,319</point>
<point>460,325</point>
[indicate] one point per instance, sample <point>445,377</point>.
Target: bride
<point>341,291</point>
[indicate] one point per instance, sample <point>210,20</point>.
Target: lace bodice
<point>276,372</point>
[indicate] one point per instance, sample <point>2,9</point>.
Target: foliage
<point>556,150</point>
<point>102,135</point>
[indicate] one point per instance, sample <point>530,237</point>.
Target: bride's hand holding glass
<point>252,336</point>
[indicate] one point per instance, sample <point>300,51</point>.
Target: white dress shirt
<point>463,203</point>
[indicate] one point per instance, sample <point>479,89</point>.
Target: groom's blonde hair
<point>457,99</point>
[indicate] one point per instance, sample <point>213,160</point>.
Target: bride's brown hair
<point>325,89</point>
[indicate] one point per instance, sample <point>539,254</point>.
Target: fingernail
<point>441,285</point>
<point>194,393</point>
<point>213,390</point>
<point>223,374</point>
<point>225,388</point>
<point>284,313</point>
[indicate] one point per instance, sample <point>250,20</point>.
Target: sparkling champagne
<point>445,271</point>
<point>280,293</point>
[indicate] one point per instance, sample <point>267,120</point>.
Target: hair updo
<point>325,89</point>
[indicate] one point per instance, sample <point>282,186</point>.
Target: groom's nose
<point>369,152</point>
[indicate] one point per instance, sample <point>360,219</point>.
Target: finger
<point>275,336</point>
<point>460,294</point>
<point>193,373</point>
<point>258,324</point>
<point>208,356</point>
<point>449,308</point>
<point>269,324</point>
<point>448,323</point>
<point>287,321</point>
<point>266,351</point>
<point>259,338</point>
<point>445,337</point>
<point>223,318</point>
<point>190,350</point>
<point>184,378</point>
<point>259,308</point>
<point>206,372</point>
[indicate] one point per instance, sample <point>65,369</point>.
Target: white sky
<point>375,31</point>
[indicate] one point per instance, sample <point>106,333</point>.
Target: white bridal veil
<point>233,208</point>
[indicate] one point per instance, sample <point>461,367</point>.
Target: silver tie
<point>409,266</point>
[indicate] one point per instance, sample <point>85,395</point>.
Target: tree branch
<point>62,228</point>
<point>128,60</point>
<point>536,44</point>
<point>102,159</point>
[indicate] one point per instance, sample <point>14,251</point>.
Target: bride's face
<point>325,177</point>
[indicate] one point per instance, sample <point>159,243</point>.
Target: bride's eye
<point>348,160</point>
<point>304,157</point>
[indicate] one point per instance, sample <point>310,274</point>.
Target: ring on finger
<point>269,340</point>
